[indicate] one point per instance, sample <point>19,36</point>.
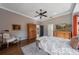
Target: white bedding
<point>56,46</point>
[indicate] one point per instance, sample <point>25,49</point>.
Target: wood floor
<point>15,49</point>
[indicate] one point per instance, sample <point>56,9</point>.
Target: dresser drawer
<point>63,34</point>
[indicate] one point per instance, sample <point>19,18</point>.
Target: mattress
<point>57,46</point>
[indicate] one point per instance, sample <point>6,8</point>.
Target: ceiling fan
<point>41,13</point>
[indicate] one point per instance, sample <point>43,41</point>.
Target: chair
<point>7,37</point>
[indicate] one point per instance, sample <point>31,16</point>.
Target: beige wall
<point>57,20</point>
<point>8,18</point>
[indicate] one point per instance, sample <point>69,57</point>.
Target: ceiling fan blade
<point>36,15</point>
<point>44,12</point>
<point>41,13</point>
<point>44,15</point>
<point>37,12</point>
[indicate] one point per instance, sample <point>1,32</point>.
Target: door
<point>78,25</point>
<point>41,30</point>
<point>50,29</point>
<point>74,33</point>
<point>31,31</point>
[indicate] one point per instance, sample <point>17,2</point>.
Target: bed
<point>56,46</point>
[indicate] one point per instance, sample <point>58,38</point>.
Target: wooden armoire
<point>31,31</point>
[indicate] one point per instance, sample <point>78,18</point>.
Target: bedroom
<point>42,19</point>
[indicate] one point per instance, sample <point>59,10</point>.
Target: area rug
<point>32,49</point>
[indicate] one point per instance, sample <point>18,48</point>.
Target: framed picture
<point>16,27</point>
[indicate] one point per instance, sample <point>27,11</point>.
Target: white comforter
<point>56,46</point>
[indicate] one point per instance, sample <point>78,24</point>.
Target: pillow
<point>74,42</point>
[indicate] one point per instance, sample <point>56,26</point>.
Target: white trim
<point>16,12</point>
<point>63,13</point>
<point>58,15</point>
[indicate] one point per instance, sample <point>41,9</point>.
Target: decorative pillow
<point>74,42</point>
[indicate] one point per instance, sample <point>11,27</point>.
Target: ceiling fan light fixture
<point>41,13</point>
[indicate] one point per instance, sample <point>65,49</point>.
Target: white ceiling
<point>28,9</point>
<point>76,9</point>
